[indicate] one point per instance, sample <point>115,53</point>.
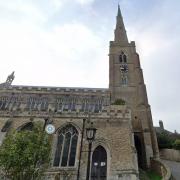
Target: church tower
<point>126,84</point>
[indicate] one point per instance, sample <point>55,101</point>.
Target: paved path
<point>175,168</point>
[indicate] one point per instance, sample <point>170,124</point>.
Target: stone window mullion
<point>62,149</point>
<point>69,149</point>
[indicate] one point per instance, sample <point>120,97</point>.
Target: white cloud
<point>85,2</point>
<point>21,10</point>
<point>64,56</point>
<point>61,55</point>
<point>57,4</point>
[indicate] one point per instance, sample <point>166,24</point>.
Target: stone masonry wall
<point>114,133</point>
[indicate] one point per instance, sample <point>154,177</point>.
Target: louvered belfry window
<point>122,58</point>
<point>65,154</point>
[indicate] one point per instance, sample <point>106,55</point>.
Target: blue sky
<point>66,43</point>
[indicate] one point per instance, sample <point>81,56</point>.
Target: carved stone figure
<point>9,81</point>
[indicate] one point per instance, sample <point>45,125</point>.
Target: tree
<point>25,154</point>
<point>164,140</point>
<point>176,144</point>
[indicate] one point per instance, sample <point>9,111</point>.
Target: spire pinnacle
<point>119,11</point>
<point>120,31</point>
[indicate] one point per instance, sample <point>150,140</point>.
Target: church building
<point>125,139</point>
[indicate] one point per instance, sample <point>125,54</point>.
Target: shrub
<point>119,102</point>
<point>25,154</point>
<point>176,144</point>
<point>164,140</point>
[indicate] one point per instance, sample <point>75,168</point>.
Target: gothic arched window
<point>66,147</point>
<point>122,58</point>
<point>26,127</point>
<point>6,126</point>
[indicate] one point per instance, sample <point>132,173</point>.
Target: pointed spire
<point>120,31</point>
<point>119,11</point>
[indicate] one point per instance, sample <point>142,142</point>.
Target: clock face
<point>124,68</point>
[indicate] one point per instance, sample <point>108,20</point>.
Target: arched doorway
<point>141,154</point>
<point>99,164</point>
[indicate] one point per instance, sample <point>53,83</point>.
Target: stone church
<point>125,139</point>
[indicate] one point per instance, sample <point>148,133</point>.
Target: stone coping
<point>56,89</point>
<point>162,169</point>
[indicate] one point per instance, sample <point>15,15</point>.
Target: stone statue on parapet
<point>9,81</point>
<point>10,78</point>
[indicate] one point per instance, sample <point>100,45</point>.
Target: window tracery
<point>32,103</point>
<point>122,58</point>
<point>44,104</point>
<point>123,68</point>
<point>85,105</point>
<point>65,154</point>
<point>8,103</point>
<point>98,106</point>
<point>59,104</point>
<point>72,104</point>
<point>36,103</point>
<point>3,103</point>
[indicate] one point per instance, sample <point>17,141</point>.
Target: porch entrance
<point>99,164</point>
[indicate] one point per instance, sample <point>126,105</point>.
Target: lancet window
<point>59,104</point>
<point>32,103</point>
<point>72,104</point>
<point>85,105</point>
<point>122,58</point>
<point>98,106</point>
<point>44,104</point>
